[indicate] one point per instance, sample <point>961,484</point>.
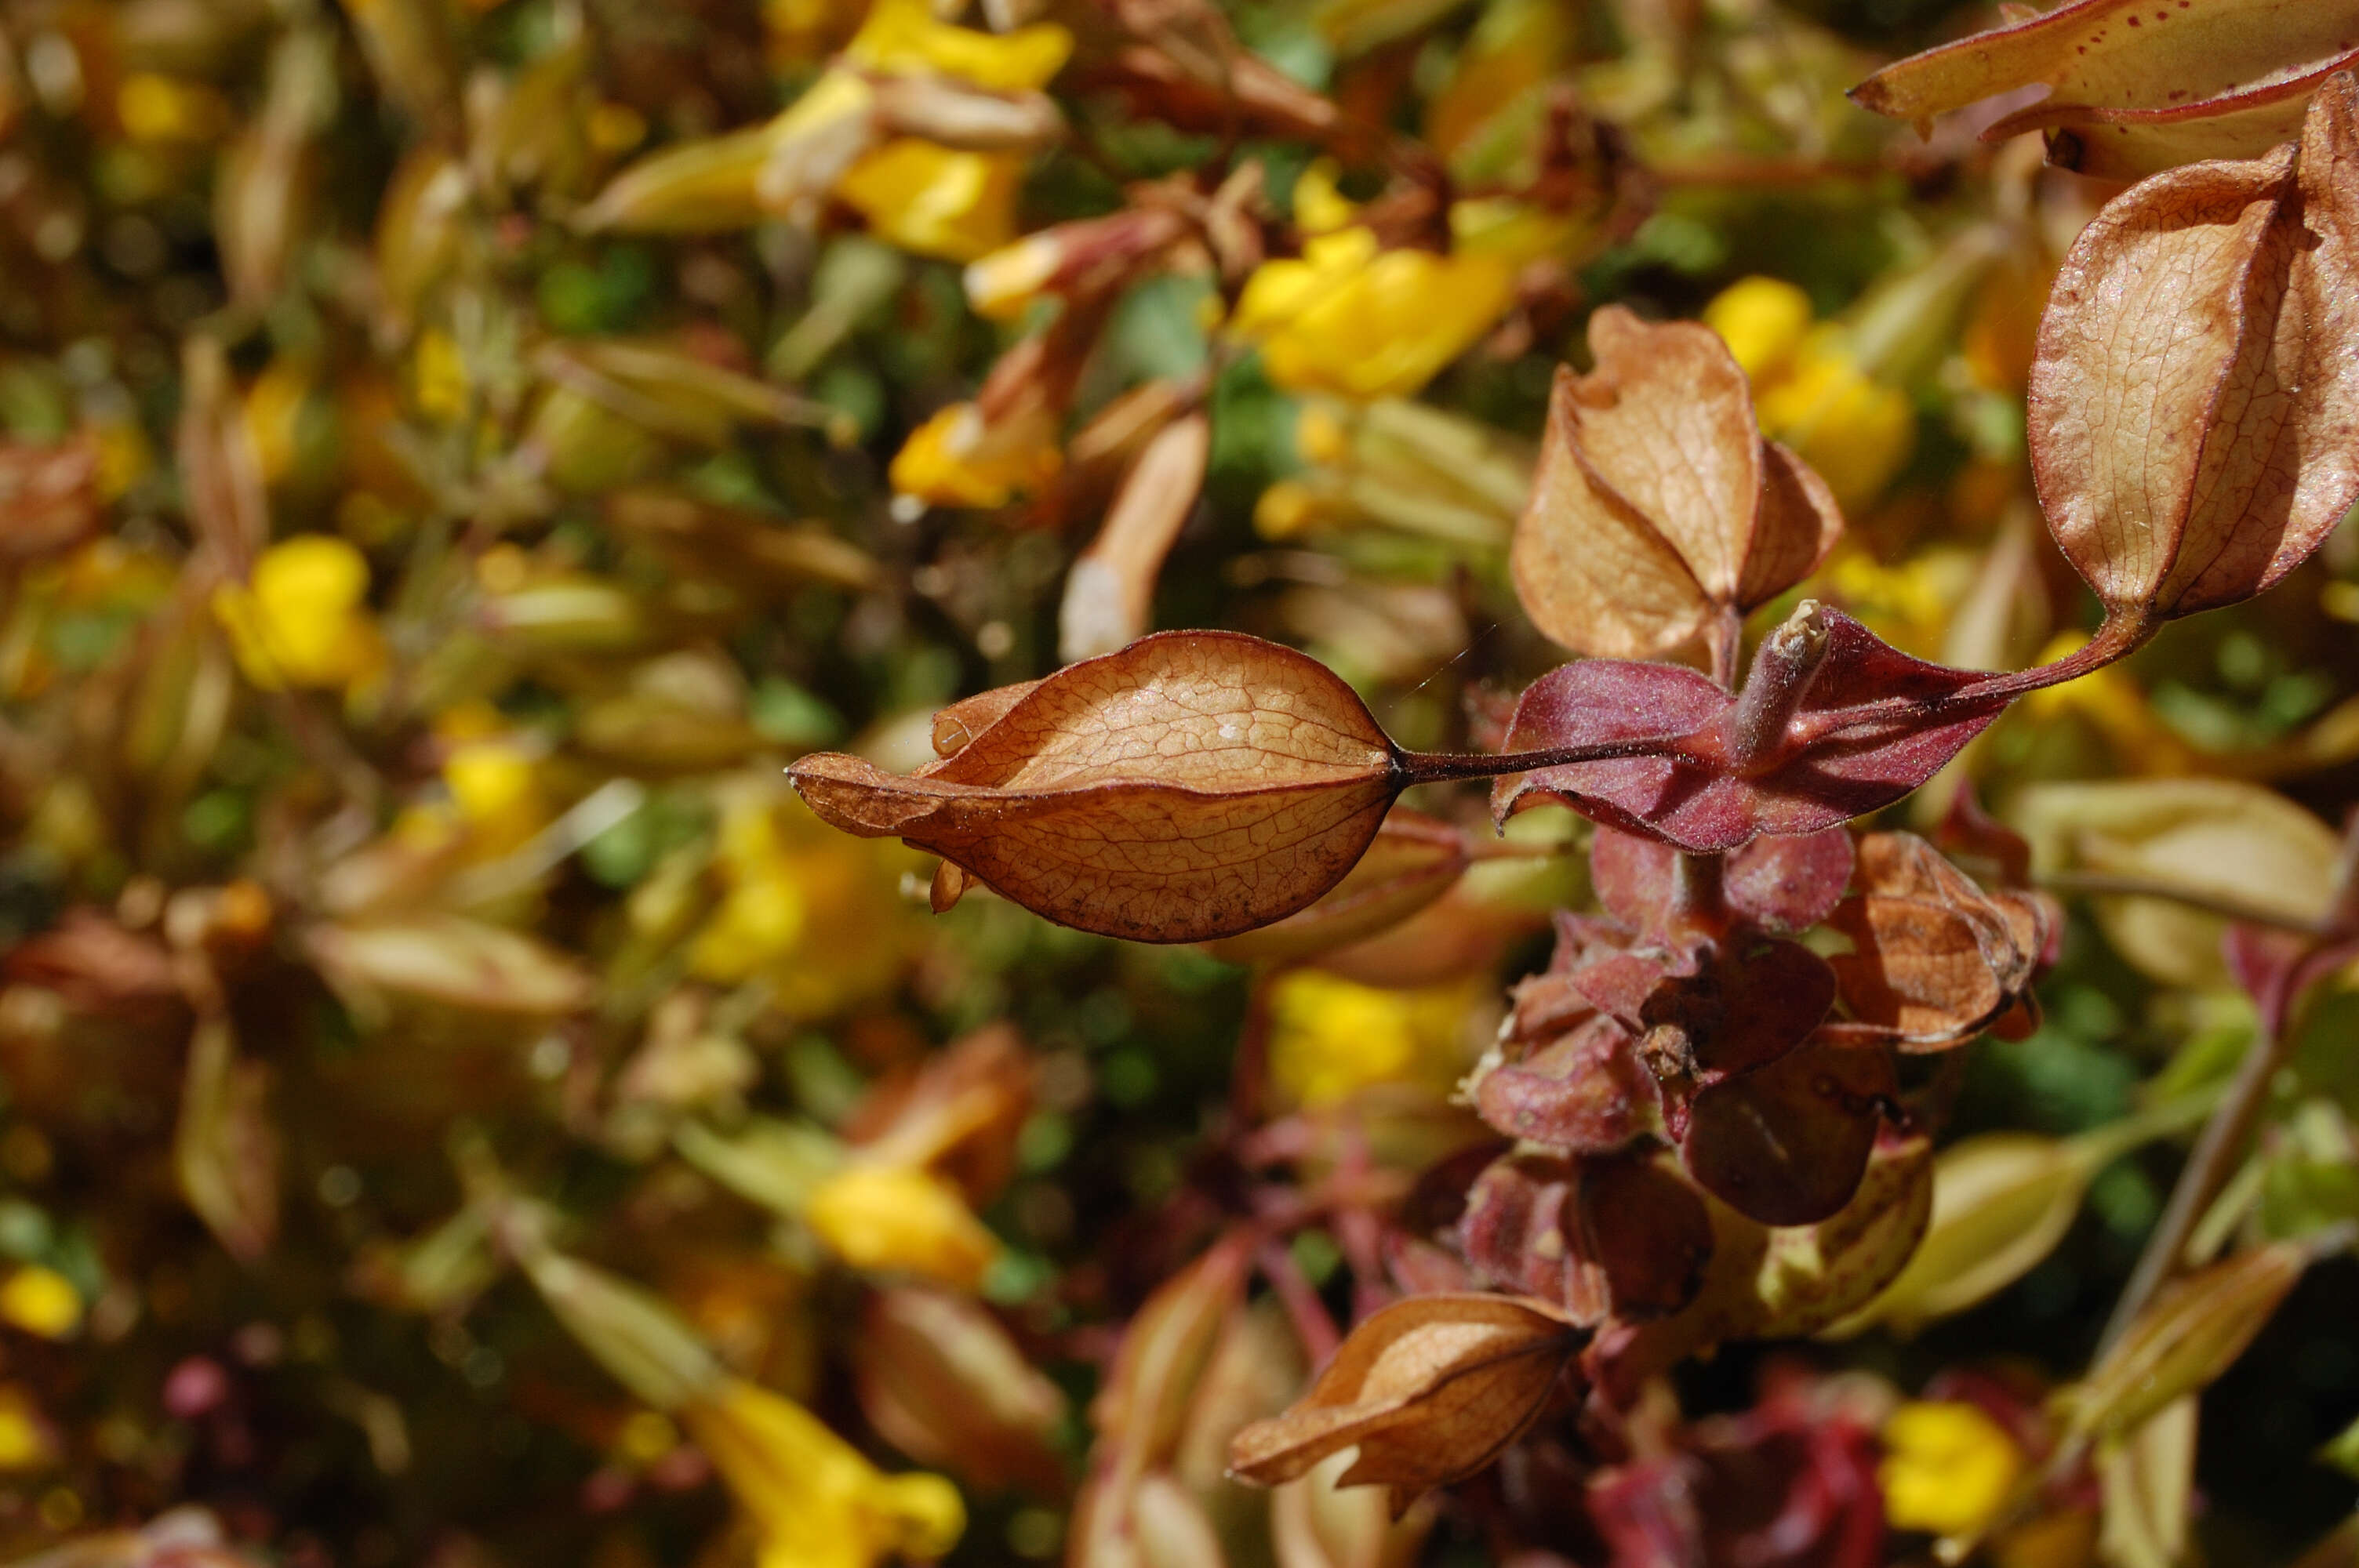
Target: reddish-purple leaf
<point>1786,1142</point>
<point>1614,1235</point>
<point>1871,725</point>
<point>1789,884</point>
<point>1587,1091</point>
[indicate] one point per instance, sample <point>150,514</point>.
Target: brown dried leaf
<point>1110,594</point>
<point>1657,506</point>
<point>1193,785</point>
<point>1429,1390</point>
<point>1414,861</point>
<point>2194,409</point>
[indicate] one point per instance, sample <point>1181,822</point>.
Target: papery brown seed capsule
<point>2194,409</point>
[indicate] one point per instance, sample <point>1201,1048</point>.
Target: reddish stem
<point>1313,1325</point>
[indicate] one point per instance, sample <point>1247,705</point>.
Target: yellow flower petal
<point>1948,1467</point>
<point>40,1300</point>
<point>895,1217</point>
<point>814,1501</point>
<point>1763,320</point>
<point>935,201</point>
<point>955,459</point>
<point>901,37</point>
<point>1329,1038</point>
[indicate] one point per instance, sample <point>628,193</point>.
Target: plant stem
<point>2207,1169</point>
<point>1440,767</point>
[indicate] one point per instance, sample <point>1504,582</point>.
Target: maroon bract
<point>1868,725</point>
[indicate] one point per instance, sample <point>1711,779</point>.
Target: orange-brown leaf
<point>1193,785</point>
<point>1429,1390</point>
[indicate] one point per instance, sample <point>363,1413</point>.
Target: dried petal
<point>1429,1390</point>
<point>941,1379</point>
<point>2191,1333</point>
<point>2194,410</point>
<point>449,959</point>
<point>225,1149</point>
<point>1193,785</point>
<point>49,500</point>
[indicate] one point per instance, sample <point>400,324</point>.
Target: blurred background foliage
<point>460,1108</point>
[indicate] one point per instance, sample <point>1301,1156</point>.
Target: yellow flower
<point>25,1440</point>
<point>1763,320</point>
<point>1351,318</point>
<point>155,108</point>
<point>301,622</point>
<point>40,1300</point>
<point>956,459</point>
<point>1811,391</point>
<point>904,1219</point>
<point>1329,1038</point>
<point>495,785</point>
<point>1907,605</point>
<point>817,916</point>
<point>901,37</point>
<point>935,201</point>
<point>814,1501</point>
<point>1948,1467</point>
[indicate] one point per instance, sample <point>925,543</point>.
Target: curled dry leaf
<point>2136,87</point>
<point>1414,859</point>
<point>2195,407</point>
<point>1110,593</point>
<point>1618,1236</point>
<point>1863,725</point>
<point>1586,1091</point>
<point>1191,786</point>
<point>1934,958</point>
<point>1657,511</point>
<point>1429,1390</point>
